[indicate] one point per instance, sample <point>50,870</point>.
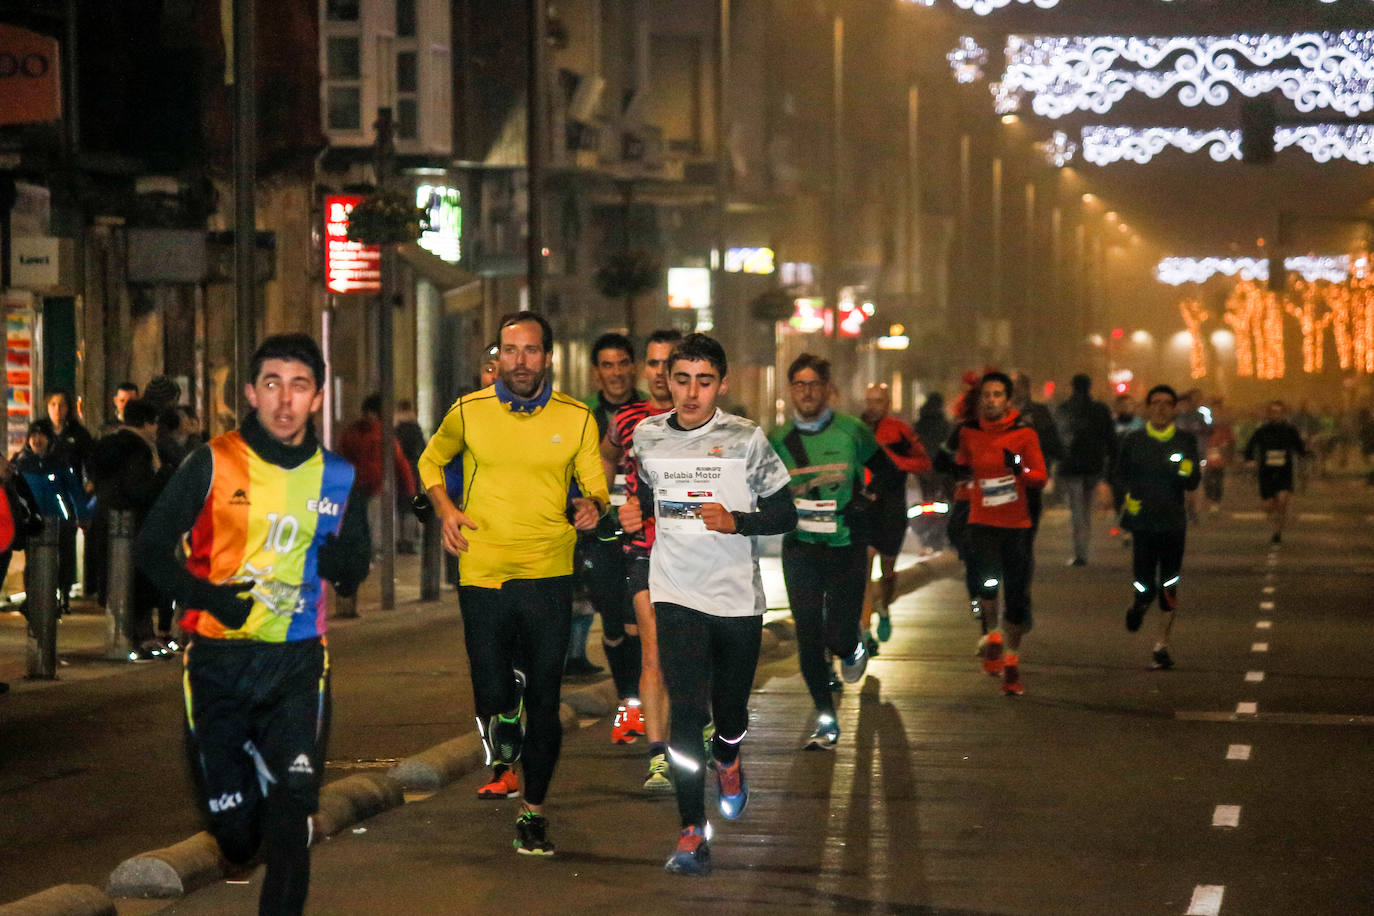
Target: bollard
<point>40,583</point>
<point>119,582</point>
<point>431,557</point>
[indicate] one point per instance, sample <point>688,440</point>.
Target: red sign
<point>30,82</point>
<point>349,267</point>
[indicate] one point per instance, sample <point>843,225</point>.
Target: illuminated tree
<point>1193,317</point>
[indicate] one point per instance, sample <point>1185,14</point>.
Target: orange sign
<point>30,77</point>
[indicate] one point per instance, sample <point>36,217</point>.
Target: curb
<point>62,900</point>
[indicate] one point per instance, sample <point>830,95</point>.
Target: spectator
<point>411,438</point>
<point>128,476</point>
<point>178,434</point>
<point>162,392</point>
<point>124,393</point>
<point>361,445</point>
<point>57,494</point>
<point>73,441</point>
<point>1089,437</point>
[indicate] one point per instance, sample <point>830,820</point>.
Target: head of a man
<point>696,378</point>
<point>1082,383</point>
<point>877,402</point>
<point>994,396</point>
<point>40,437</point>
<point>613,367</point>
<point>60,410</point>
<point>1275,410</point>
<point>1161,406</point>
<point>140,415</point>
<point>491,365</point>
<point>125,393</point>
<point>287,385</point>
<point>808,383</point>
<point>656,353</point>
<point>526,342</point>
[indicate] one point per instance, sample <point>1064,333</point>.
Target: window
<point>341,10</point>
<point>407,117</point>
<point>345,108</point>
<point>407,72</point>
<point>405,18</point>
<point>343,62</point>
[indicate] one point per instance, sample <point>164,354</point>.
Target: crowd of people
<point>642,505</point>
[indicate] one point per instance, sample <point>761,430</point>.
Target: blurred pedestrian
<point>411,440</point>
<point>162,391</point>
<point>361,444</point>
<point>73,441</point>
<point>178,434</point>
<point>58,494</point>
<point>1274,449</point>
<point>124,393</point>
<point>1089,439</point>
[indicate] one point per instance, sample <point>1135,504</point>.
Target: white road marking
<point>1247,516</point>
<point>1206,900</point>
<point>1266,605</point>
<point>1268,589</point>
<point>1254,677</point>
<point>1264,625</point>
<point>1315,516</point>
<point>1276,718</point>
<point>1247,708</point>
<point>1226,816</point>
<point>1259,647</point>
<point>1238,752</point>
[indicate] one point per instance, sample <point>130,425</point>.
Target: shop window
<point>343,59</point>
<point>345,108</point>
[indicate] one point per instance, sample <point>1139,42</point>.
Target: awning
<point>460,289</point>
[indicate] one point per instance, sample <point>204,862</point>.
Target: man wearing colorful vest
<point>269,517</point>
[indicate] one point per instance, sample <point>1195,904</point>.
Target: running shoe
<point>507,731</point>
<point>870,644</point>
<point>884,627</point>
<point>990,650</point>
<point>734,791</point>
<point>692,856</point>
<point>826,734</point>
<point>1011,677</point>
<point>708,734</point>
<point>621,729</point>
<point>658,780</point>
<point>1161,660</point>
<point>531,835</point>
<point>1135,615</point>
<point>835,684</point>
<point>505,785</point>
<point>635,717</point>
<point>853,667</point>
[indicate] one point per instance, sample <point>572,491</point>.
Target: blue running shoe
<point>692,856</point>
<point>853,667</point>
<point>734,791</point>
<point>884,627</point>
<point>826,734</point>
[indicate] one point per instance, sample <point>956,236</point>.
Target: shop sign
<point>30,80</point>
<point>749,260</point>
<point>34,262</point>
<point>349,267</point>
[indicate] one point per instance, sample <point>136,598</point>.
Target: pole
<point>245,217</point>
<point>431,556</point>
<point>995,293</point>
<point>535,130</point>
<point>119,585</point>
<point>722,159</point>
<point>836,160</point>
<point>386,373</point>
<point>41,605</point>
<point>913,196</point>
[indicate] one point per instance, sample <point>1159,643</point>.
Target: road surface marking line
<point>1206,900</point>
<point>1238,752</point>
<point>1259,647</point>
<point>1226,816</point>
<point>1254,677</point>
<point>1246,516</point>
<point>1275,718</point>
<point>1264,624</point>
<point>1315,516</point>
<point>1266,605</point>
<point>1247,708</point>
<point>1268,589</point>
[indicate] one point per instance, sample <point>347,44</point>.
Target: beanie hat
<point>162,391</point>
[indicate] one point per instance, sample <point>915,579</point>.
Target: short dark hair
<point>373,403</point>
<point>42,425</point>
<point>700,347</point>
<point>1164,389</point>
<point>127,386</point>
<point>139,412</point>
<point>996,376</point>
<point>1082,383</point>
<point>169,421</point>
<point>612,340</point>
<point>817,364</point>
<point>664,335</point>
<point>492,351</point>
<point>511,318</point>
<point>296,348</point>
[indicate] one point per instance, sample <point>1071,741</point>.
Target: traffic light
<point>1258,121</point>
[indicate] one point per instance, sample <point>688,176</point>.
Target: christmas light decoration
<point>1059,150</point>
<point>983,7</point>
<point>1314,70</point>
<point>1177,271</point>
<point>1107,145</point>
<point>967,60</point>
<point>1193,317</point>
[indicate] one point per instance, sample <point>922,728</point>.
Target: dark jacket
<point>1155,474</point>
<point>1089,436</point>
<point>56,489</point>
<point>122,470</point>
<point>74,443</point>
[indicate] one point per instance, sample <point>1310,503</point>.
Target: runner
<point>269,515</point>
<point>1002,453</point>
<point>1158,465</point>
<point>515,589</point>
<point>617,450</point>
<point>965,411</point>
<point>887,527</point>
<point>1274,447</point>
<point>711,484</point>
<point>823,560</point>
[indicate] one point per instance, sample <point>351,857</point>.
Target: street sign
<point>349,267</point>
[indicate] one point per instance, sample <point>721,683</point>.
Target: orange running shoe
<point>623,727</point>
<point>504,786</point>
<point>990,650</point>
<point>1011,677</point>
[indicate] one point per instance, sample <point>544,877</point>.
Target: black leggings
<point>957,531</point>
<point>825,587</point>
<point>708,667</point>
<point>1156,561</point>
<point>1003,559</point>
<point>526,620</point>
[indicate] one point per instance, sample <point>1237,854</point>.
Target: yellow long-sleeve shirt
<point>517,468</point>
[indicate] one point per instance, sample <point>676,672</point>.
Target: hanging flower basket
<point>387,217</point>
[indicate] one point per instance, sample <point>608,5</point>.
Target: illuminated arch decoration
<point>1324,142</point>
<point>1058,150</point>
<point>967,60</point>
<point>1177,271</point>
<point>1193,317</point>
<point>984,7</point>
<point>1064,74</point>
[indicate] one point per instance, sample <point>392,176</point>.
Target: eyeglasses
<point>813,385</point>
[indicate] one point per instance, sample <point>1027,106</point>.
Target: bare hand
<point>717,518</point>
<point>452,521</point>
<point>631,516</point>
<point>586,513</point>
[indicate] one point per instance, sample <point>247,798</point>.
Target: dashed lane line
<point>1226,816</point>
<point>1206,900</point>
<point>1237,752</point>
<point>1275,718</point>
<point>1264,624</point>
<point>1259,647</point>
<point>1254,677</point>
<point>1247,708</point>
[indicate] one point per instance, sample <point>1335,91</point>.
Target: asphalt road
<point>1104,789</point>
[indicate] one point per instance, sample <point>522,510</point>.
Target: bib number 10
<point>281,532</point>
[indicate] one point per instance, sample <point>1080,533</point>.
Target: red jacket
<point>998,495</point>
<point>901,445</point>
<point>361,444</point>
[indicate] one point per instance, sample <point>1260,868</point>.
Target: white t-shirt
<point>726,460</point>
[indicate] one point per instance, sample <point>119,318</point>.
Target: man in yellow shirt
<point>531,463</point>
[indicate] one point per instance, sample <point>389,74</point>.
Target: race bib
<point>679,510</point>
<point>816,516</point>
<point>618,490</point>
<point>1275,457</point>
<point>998,491</point>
